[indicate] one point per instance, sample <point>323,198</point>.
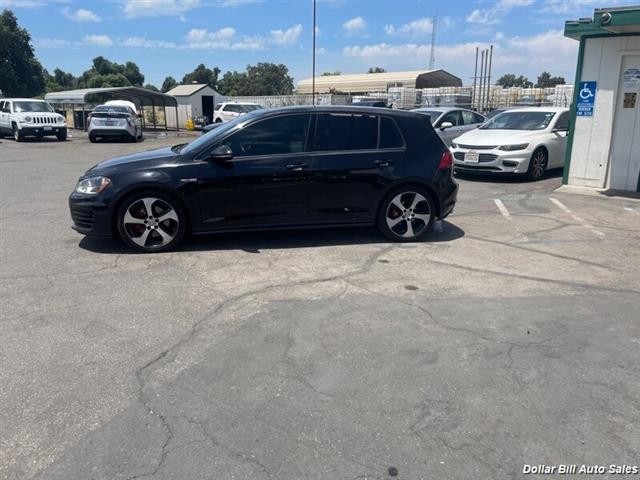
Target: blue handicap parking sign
<point>586,99</point>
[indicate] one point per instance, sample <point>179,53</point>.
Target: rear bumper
<point>448,198</point>
<point>111,132</point>
<point>90,216</point>
<point>44,130</point>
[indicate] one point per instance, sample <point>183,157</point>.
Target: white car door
<point>230,112</point>
<point>5,115</point>
<point>558,140</point>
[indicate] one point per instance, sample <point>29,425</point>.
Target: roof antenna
<point>432,57</point>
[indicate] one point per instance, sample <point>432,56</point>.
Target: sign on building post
<point>586,99</point>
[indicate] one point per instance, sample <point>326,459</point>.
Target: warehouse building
<point>603,148</point>
<point>194,101</point>
<point>362,84</point>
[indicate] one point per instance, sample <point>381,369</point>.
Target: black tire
<point>538,164</point>
<point>62,136</point>
<point>93,138</point>
<point>403,217</point>
<point>218,121</point>
<point>18,136</point>
<point>134,233</point>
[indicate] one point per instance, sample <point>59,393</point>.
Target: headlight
<point>511,148</point>
<point>28,119</point>
<point>92,185</point>
<point>60,119</point>
<point>454,145</point>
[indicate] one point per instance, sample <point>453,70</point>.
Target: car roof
<point>539,109</point>
<point>239,103</point>
<point>339,109</point>
<point>24,100</point>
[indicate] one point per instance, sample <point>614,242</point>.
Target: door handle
<point>383,163</point>
<point>296,167</point>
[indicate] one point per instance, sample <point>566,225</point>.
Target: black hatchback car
<point>293,167</point>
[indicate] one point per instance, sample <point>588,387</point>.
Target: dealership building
<point>603,149</point>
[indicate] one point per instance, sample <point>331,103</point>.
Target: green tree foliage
<point>260,79</point>
<point>151,87</point>
<point>60,80</point>
<point>104,73</point>
<point>376,70</point>
<point>545,80</point>
<point>328,74</point>
<point>21,74</point>
<point>203,75</point>
<point>510,80</point>
<point>168,84</point>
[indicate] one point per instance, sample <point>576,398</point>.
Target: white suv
<point>22,117</point>
<point>230,110</point>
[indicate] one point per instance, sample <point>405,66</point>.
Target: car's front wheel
<point>406,214</point>
<point>151,222</point>
<point>17,134</point>
<point>62,136</point>
<point>537,164</point>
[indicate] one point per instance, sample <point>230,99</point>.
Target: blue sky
<point>170,37</point>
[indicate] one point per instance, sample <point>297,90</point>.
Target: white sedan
<point>526,141</point>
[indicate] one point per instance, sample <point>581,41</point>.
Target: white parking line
<point>506,214</point>
<point>578,219</point>
<point>632,210</point>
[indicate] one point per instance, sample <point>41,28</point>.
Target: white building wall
<point>592,136</point>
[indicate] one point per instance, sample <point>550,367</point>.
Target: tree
<point>545,80</point>
<point>376,70</point>
<point>21,74</point>
<point>510,80</point>
<point>202,74</point>
<point>153,88</point>
<point>168,84</point>
<point>60,80</point>
<point>328,74</point>
<point>104,73</point>
<point>260,79</point>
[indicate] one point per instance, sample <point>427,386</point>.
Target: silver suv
<point>114,121</point>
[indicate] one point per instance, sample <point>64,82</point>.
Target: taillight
<point>446,161</point>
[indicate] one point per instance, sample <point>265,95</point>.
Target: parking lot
<point>510,337</point>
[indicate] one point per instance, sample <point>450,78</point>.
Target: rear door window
<point>390,136</point>
<point>563,121</point>
<point>335,132</point>
<point>471,118</point>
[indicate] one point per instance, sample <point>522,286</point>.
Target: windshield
<point>111,108</point>
<point>433,114</point>
<point>519,121</point>
<point>32,107</point>
<point>248,108</point>
<point>216,132</point>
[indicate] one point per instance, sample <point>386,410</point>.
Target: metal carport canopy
<point>137,95</point>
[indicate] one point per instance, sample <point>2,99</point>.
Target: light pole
<point>313,69</point>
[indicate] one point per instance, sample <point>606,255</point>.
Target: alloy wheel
<point>151,222</point>
<point>408,214</point>
<point>538,164</point>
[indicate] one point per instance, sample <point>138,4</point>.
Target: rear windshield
<point>28,106</point>
<point>432,114</point>
<point>111,109</point>
<point>519,121</point>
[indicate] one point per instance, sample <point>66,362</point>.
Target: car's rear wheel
<point>538,164</point>
<point>151,222</point>
<point>406,214</point>
<point>17,134</point>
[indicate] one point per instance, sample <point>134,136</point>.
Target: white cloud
<point>418,27</point>
<point>141,42</point>
<point>21,4</point>
<point>158,8</point>
<point>482,17</point>
<point>80,15</point>
<point>223,39</point>
<point>354,25</point>
<point>568,6</point>
<point>99,40</point>
<point>493,15</point>
<point>288,36</point>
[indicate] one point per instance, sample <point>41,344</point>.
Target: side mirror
<point>445,125</point>
<point>221,153</point>
<point>559,130</point>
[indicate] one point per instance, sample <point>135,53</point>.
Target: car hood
<point>136,160</point>
<point>482,137</point>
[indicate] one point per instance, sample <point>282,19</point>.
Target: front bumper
<point>42,130</point>
<point>493,161</point>
<point>90,215</point>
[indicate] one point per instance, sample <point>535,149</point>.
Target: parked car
<point>230,110</point>
<point>451,122</point>
<point>371,103</point>
<point>27,117</point>
<point>497,111</point>
<point>114,121</point>
<point>211,126</point>
<point>295,167</point>
<point>525,141</point>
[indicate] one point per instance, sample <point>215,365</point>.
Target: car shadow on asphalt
<point>505,178</point>
<point>255,242</point>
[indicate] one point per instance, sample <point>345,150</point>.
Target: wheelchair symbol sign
<point>586,99</point>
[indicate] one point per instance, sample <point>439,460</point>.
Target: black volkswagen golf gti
<point>293,167</point>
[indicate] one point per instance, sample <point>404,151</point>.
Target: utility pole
<point>313,75</point>
<point>475,81</point>
<point>432,57</point>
